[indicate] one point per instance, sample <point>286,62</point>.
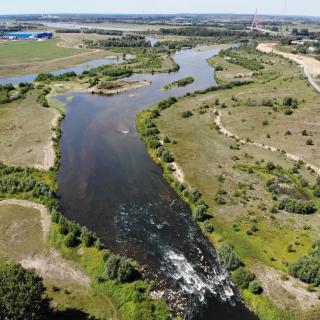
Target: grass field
<point>66,284</point>
<point>16,52</point>
<point>219,165</point>
<point>23,57</point>
<point>25,131</point>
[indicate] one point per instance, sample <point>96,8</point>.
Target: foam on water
<point>193,282</point>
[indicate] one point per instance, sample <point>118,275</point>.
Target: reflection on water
<point>108,182</point>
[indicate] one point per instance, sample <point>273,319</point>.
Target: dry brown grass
<point>25,133</point>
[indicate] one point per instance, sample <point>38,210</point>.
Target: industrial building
<point>27,36</point>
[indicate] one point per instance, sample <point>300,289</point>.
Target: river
<point>108,183</point>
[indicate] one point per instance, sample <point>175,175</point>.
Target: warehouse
<point>26,36</point>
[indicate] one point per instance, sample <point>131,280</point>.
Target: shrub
<point>220,200</point>
<point>208,227</point>
<point>229,257</point>
<point>309,142</point>
<point>288,112</point>
<point>200,212</point>
<point>87,237</point>
<point>186,114</point>
<point>194,195</point>
<point>255,287</point>
<point>121,269</point>
<point>166,156</point>
<point>270,166</point>
<point>242,277</point>
<point>307,268</point>
<point>290,102</point>
<point>71,240</point>
<point>296,206</point>
<point>290,248</point>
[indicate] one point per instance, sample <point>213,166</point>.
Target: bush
<point>186,114</point>
<point>121,269</point>
<point>270,166</point>
<point>200,212</point>
<point>229,257</point>
<point>307,268</point>
<point>296,206</point>
<point>166,156</point>
<point>290,102</point>
<point>71,240</point>
<point>242,277</point>
<point>22,294</point>
<point>208,227</point>
<point>309,142</point>
<point>255,287</point>
<point>194,195</point>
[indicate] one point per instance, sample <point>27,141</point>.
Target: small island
<point>179,83</point>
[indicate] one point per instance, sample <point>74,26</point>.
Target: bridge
<point>256,26</point>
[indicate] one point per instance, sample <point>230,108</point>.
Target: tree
<point>22,294</point>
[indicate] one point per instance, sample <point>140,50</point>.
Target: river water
<point>108,183</point>
<point>77,69</point>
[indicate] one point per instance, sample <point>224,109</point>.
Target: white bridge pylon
<point>255,25</point>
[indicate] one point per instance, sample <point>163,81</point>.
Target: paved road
<point>311,66</point>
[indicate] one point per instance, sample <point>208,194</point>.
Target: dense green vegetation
<point>22,294</point>
<point>67,76</point>
<point>9,93</point>
<point>307,268</point>
<point>132,297</point>
<point>234,57</point>
<point>126,41</point>
<point>229,257</point>
<point>201,32</point>
<point>179,83</point>
<point>296,206</point>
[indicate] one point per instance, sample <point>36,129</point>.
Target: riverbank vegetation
<point>114,276</point>
<point>179,83</point>
<point>260,206</point>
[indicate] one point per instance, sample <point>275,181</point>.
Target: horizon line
<point>163,14</point>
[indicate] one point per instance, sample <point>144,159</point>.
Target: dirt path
<point>230,134</point>
<point>49,152</point>
<point>290,293</point>
<point>310,65</point>
<point>47,262</point>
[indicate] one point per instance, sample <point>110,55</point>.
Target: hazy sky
<point>294,7</point>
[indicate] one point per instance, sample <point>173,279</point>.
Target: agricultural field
<point>242,155</point>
